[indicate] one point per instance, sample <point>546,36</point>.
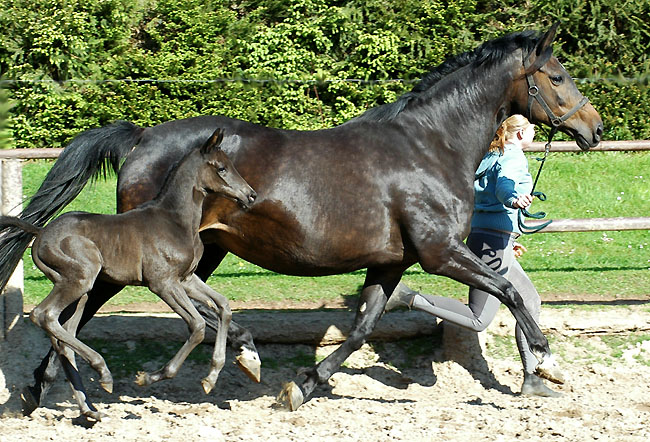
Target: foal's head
<point>217,173</point>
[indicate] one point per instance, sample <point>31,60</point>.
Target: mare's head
<point>546,93</point>
<point>218,175</point>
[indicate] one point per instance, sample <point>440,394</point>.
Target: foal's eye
<point>222,170</point>
<point>557,79</point>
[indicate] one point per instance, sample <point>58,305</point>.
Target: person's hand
<point>523,201</point>
<point>518,249</point>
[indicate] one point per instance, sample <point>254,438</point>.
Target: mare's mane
<point>487,54</point>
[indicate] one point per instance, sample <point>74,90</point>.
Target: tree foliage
<point>287,63</point>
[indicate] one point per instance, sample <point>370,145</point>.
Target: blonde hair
<point>507,130</point>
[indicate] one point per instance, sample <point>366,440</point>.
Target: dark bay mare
<point>388,189</point>
<point>156,245</point>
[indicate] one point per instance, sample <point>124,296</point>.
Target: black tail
<point>88,155</point>
<point>14,221</point>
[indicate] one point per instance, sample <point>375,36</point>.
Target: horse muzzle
<point>584,143</point>
<point>247,200</point>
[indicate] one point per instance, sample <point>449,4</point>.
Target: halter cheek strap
<point>534,95</point>
<point>556,122</point>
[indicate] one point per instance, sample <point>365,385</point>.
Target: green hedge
<point>81,44</point>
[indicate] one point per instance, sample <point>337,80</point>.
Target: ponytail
<point>507,130</point>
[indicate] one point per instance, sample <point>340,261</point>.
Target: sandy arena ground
<point>403,390</point>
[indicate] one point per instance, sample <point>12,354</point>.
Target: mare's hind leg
<point>458,262</point>
<point>197,289</point>
<point>173,293</point>
<point>241,339</point>
<point>379,284</point>
<point>46,372</point>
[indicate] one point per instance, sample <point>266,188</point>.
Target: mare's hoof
<point>29,401</point>
<point>249,362</point>
<point>207,385</point>
<point>550,370</point>
<point>291,396</point>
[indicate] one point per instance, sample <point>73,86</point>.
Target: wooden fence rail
<point>11,303</point>
<point>558,146</point>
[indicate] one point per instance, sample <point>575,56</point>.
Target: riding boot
<point>402,297</point>
<point>533,385</point>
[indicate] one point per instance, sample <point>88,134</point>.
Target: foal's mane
<point>172,171</point>
<point>487,54</point>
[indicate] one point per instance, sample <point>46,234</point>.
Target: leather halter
<point>534,95</point>
<point>556,122</point>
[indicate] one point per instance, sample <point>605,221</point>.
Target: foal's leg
<point>173,293</point>
<point>46,372</point>
<point>458,262</point>
<point>46,315</point>
<point>67,358</point>
<point>197,289</point>
<point>379,284</point>
<point>241,339</point>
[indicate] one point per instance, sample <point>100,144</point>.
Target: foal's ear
<point>214,142</point>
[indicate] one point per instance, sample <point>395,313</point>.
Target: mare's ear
<point>543,50</point>
<point>214,142</point>
<point>546,41</point>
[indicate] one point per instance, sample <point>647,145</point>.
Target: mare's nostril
<point>599,132</point>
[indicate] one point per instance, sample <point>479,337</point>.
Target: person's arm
<point>512,171</point>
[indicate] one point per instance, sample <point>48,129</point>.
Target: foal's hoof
<point>107,385</point>
<point>550,370</point>
<point>106,381</point>
<point>249,362</point>
<point>207,385</point>
<point>94,414</point>
<point>29,401</point>
<point>142,379</point>
<point>291,396</point>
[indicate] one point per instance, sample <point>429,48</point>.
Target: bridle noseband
<point>535,95</point>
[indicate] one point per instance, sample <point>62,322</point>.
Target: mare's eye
<point>222,170</point>
<point>557,79</point>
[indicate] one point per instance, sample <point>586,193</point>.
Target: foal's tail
<point>14,221</point>
<point>88,155</point>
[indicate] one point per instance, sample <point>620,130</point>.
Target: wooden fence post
<point>11,298</point>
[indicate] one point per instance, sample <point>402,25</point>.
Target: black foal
<point>156,245</point>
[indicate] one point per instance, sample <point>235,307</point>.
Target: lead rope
<point>542,197</point>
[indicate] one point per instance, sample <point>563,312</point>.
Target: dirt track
<point>404,390</point>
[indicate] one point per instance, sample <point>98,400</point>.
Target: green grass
<point>597,184</point>
<point>603,349</point>
<point>127,358</point>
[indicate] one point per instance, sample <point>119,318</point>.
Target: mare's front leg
<point>458,262</point>
<point>199,290</point>
<point>173,293</point>
<point>379,284</point>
